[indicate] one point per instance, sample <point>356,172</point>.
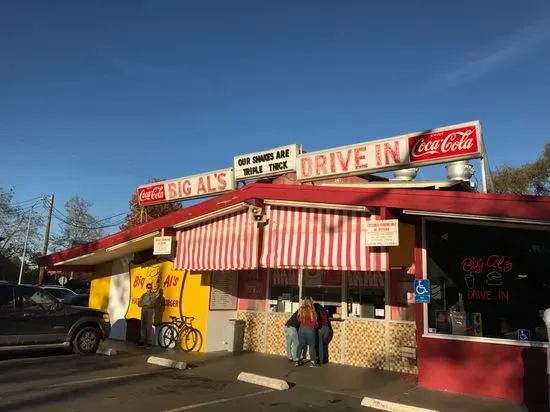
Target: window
<point>401,294</point>
<point>35,298</point>
<point>325,287</point>
<point>284,290</point>
<point>7,298</point>
<point>252,284</point>
<point>488,281</point>
<point>60,293</point>
<point>366,294</point>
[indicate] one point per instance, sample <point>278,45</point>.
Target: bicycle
<point>179,330</point>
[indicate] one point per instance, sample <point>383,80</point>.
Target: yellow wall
<point>403,255</point>
<point>196,298</point>
<point>99,289</point>
<point>167,284</point>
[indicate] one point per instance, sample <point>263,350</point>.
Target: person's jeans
<point>307,336</point>
<point>324,337</point>
<point>291,335</point>
<point>146,323</point>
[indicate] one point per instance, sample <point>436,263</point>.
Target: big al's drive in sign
<point>457,142</point>
<point>191,187</point>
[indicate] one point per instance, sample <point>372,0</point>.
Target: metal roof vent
<point>405,175</point>
<point>461,170</point>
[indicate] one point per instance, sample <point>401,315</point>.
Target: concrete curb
<point>391,406</point>
<point>106,351</point>
<point>277,384</point>
<point>167,363</point>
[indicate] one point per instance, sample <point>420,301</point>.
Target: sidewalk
<point>332,378</point>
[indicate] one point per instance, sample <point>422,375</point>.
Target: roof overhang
<point>408,197</point>
<point>110,253</point>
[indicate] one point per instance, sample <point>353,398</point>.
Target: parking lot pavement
<point>66,382</point>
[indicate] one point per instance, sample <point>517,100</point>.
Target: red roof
<point>507,206</point>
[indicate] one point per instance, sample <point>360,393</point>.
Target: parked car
<point>59,292</point>
<point>31,317</point>
<point>78,300</point>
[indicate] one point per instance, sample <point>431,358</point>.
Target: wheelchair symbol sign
<point>524,334</point>
<point>422,291</point>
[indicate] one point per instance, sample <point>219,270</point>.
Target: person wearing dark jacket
<point>323,333</point>
<point>291,335</point>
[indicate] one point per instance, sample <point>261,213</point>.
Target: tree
<point>532,178</point>
<point>13,225</point>
<point>13,230</point>
<point>140,214</point>
<point>77,225</point>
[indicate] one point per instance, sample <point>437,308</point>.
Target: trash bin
<point>235,335</point>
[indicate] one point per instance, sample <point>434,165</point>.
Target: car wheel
<point>86,341</point>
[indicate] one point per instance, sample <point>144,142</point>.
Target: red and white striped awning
<point>226,243</point>
<point>310,238</point>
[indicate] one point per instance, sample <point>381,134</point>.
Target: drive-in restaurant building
<point>321,224</point>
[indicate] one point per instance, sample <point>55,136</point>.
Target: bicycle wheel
<point>167,335</point>
<point>189,340</point>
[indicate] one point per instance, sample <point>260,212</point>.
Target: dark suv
<point>32,317</point>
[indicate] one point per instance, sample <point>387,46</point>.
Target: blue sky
<point>98,97</point>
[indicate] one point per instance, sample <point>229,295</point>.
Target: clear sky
<point>97,97</point>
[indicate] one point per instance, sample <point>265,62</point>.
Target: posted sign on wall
<point>162,245</point>
<point>266,163</point>
<point>381,233</point>
<point>191,187</point>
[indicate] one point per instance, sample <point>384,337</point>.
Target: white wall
<point>119,296</point>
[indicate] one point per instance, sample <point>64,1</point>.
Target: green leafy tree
<point>532,178</point>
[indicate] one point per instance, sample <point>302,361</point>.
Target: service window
<point>488,281</point>
<point>401,294</point>
<point>325,287</point>
<point>284,292</point>
<point>366,295</point>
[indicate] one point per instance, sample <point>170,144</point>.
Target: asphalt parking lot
<point>60,381</point>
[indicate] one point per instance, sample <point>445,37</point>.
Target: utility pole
<point>25,246</point>
<point>46,240</point>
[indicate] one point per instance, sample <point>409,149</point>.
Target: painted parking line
<point>103,379</point>
<point>235,398</point>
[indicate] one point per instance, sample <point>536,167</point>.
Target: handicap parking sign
<point>422,291</point>
<point>524,334</point>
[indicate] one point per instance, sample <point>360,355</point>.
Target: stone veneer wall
<point>364,343</point>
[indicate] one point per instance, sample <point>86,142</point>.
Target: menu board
<point>223,291</point>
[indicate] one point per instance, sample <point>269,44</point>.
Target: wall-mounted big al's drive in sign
<point>191,187</point>
<point>442,145</point>
<point>266,163</point>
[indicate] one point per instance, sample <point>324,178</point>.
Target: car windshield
<point>60,293</point>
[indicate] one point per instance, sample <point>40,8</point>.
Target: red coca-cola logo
<point>439,145</point>
<point>151,194</point>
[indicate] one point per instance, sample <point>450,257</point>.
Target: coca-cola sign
<point>191,187</point>
<point>444,144</point>
<point>437,146</point>
<point>151,194</point>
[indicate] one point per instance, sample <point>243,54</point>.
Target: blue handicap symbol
<point>422,291</point>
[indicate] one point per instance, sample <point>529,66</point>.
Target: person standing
<point>291,335</point>
<point>147,304</point>
<point>323,333</point>
<point>307,334</point>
